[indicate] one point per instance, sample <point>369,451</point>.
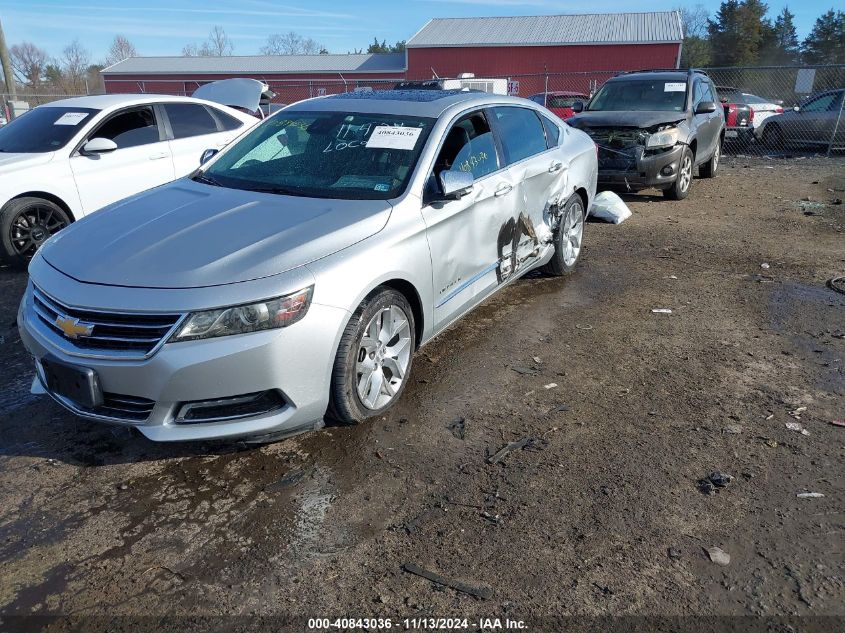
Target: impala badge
<point>73,328</point>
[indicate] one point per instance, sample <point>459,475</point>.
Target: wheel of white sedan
<point>374,357</point>
<point>569,238</point>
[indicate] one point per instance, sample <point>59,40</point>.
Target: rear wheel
<point>708,169</point>
<point>680,188</point>
<point>25,224</point>
<point>773,137</point>
<point>568,238</point>
<point>374,357</point>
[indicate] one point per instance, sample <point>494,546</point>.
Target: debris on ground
<point>537,359</point>
<point>551,385</point>
<point>661,311</point>
<point>609,207</point>
<point>718,556</point>
<point>457,427</point>
<point>715,480</point>
<point>838,422</point>
<point>796,413</point>
<point>485,593</point>
<point>765,266</point>
<point>809,495</point>
<point>673,553</point>
<point>837,284</point>
<point>795,426</point>
<point>525,371</point>
<point>526,443</point>
<point>732,429</point>
<point>493,518</point>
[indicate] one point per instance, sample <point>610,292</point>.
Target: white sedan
<point>63,160</point>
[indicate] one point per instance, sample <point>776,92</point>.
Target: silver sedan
<point>293,276</point>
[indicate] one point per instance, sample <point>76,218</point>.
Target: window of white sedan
<point>130,128</point>
<point>43,129</point>
<point>325,155</point>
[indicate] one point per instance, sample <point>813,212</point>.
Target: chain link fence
<point>774,110</point>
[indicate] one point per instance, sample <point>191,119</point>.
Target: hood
<point>239,92</point>
<point>640,119</point>
<point>190,235</point>
<point>9,162</point>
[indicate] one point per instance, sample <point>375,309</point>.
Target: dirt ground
<point>599,514</point>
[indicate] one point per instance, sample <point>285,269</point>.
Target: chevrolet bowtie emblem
<point>73,328</point>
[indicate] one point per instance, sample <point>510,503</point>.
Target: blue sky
<point>163,27</point>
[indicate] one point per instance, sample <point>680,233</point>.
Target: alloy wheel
<point>572,233</point>
<point>32,227</point>
<point>685,175</point>
<point>384,353</point>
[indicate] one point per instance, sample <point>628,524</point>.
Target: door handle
<point>555,167</point>
<point>503,189</point>
<point>158,156</point>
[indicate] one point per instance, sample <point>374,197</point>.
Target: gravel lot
<point>599,514</point>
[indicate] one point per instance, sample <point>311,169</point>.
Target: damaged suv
<point>653,128</point>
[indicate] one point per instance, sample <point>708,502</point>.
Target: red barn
<point>540,44</point>
<point>548,52</point>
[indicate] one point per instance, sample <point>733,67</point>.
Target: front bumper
<point>294,362</point>
<point>633,168</point>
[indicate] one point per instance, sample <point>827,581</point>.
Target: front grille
<point>114,333</point>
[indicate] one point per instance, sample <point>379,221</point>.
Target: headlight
<point>663,138</point>
<point>253,317</point>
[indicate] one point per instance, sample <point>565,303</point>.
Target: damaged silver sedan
<point>293,276</point>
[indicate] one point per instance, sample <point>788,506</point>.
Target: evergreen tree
<point>826,42</point>
<point>740,32</point>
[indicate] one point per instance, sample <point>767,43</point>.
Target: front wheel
<point>680,188</point>
<point>568,238</point>
<point>25,224</point>
<point>374,357</point>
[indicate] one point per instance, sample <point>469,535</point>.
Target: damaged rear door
<point>539,171</point>
<point>463,233</point>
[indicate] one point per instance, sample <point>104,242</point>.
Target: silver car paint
<point>446,256</point>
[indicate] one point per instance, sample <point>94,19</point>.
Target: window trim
<point>87,136</point>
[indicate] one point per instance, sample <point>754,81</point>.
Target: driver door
<point>141,161</point>
<point>463,233</point>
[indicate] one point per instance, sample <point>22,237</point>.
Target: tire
<point>773,137</point>
<point>25,224</point>
<point>568,239</point>
<point>708,169</point>
<point>356,353</point>
<point>683,183</point>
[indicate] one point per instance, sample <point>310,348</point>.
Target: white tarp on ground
<point>609,207</point>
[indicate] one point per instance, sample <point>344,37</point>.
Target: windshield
<point>325,155</point>
<point>44,129</point>
<point>559,101</point>
<point>641,94</point>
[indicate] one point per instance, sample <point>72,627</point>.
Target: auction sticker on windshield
<point>674,86</point>
<point>70,118</point>
<point>391,137</point>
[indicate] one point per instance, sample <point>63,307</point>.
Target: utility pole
<point>7,65</point>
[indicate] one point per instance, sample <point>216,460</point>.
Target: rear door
<point>141,161</point>
<point>194,128</point>
<point>463,234</point>
<point>535,167</point>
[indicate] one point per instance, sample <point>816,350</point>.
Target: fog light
<point>225,409</point>
<point>668,170</point>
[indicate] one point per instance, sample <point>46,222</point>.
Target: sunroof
<point>420,96</point>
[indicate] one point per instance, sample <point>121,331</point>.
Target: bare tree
<point>218,44</point>
<point>121,48</point>
<point>695,50</point>
<point>291,43</point>
<point>29,63</point>
<point>694,20</point>
<point>74,62</point>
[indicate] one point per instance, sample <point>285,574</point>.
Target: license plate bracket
<point>80,385</point>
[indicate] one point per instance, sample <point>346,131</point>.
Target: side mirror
<point>578,106</point>
<point>705,107</point>
<point>98,146</point>
<point>207,155</point>
<point>455,184</point>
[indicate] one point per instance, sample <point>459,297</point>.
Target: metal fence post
<point>836,126</point>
